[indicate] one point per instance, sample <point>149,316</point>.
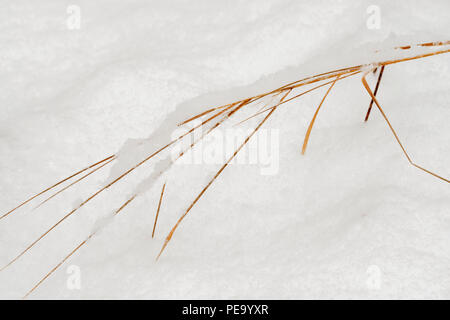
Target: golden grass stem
<point>296,96</point>
<point>311,124</point>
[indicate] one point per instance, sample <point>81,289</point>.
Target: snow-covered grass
<point>350,219</point>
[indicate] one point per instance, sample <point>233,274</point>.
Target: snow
<point>350,219</point>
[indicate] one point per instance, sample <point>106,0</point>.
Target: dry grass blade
<point>55,185</point>
<point>157,211</point>
<point>308,132</point>
<point>73,251</point>
<point>169,236</point>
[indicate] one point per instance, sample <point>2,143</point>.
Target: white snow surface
<point>350,219</point>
